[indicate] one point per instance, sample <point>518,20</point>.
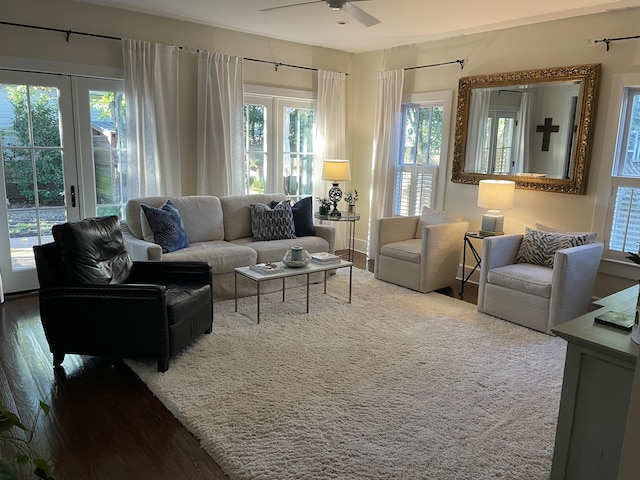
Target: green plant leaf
<point>9,420</point>
<point>46,409</point>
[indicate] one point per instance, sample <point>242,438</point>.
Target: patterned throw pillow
<point>302,216</point>
<point>272,223</point>
<point>539,247</point>
<point>167,227</point>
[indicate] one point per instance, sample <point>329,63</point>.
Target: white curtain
<point>521,141</point>
<point>330,134</point>
<point>478,113</point>
<point>386,147</point>
<point>220,152</point>
<point>153,136</point>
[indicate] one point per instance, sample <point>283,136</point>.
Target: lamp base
<point>492,222</point>
<point>335,195</point>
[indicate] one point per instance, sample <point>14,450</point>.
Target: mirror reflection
<point>533,126</point>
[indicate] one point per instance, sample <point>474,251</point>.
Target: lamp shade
<point>496,194</point>
<point>336,170</point>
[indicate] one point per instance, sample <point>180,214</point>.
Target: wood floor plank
<point>105,424</point>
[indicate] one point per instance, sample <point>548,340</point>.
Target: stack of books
<point>324,257</point>
<point>266,268</point>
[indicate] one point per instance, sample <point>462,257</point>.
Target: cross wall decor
<point>547,129</point>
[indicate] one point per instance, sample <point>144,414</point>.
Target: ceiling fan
<point>348,6</point>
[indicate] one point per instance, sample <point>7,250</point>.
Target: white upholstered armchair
<point>419,255</point>
<point>534,295</point>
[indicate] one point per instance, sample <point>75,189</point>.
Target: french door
<point>47,124</point>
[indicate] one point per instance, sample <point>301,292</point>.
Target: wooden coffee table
<point>288,272</point>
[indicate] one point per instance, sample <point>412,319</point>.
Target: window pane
<point>255,147</point>
<point>49,171</point>
<point>297,161</point>
<point>403,194</point>
<point>108,136</point>
<point>630,151</point>
<point>422,135</point>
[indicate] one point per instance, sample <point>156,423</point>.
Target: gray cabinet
<point>596,392</point>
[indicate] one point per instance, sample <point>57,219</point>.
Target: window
<point>624,221</point>
<point>498,142</point>
<point>425,122</point>
<point>279,150</point>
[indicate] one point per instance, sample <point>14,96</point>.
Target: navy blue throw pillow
<point>167,226</point>
<point>303,217</point>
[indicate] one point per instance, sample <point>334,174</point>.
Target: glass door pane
<point>34,173</point>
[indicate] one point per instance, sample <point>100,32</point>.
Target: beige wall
<point>544,45</point>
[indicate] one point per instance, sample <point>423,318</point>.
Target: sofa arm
<point>396,229</point>
<point>139,249</point>
<point>328,232</point>
<point>574,273</point>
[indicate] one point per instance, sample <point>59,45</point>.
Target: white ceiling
<point>403,22</point>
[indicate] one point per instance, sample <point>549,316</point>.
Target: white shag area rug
<point>397,384</point>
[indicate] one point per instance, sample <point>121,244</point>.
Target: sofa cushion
<point>274,250</point>
<point>430,216</point>
<point>409,250</point>
<point>222,256</point>
<point>272,223</point>
<point>167,226</point>
<point>237,212</point>
<point>539,247</point>
<point>92,250</point>
<point>202,217</point>
<point>524,277</point>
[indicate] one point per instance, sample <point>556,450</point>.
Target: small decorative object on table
<point>616,319</point>
<point>325,206</point>
<point>324,257</point>
<point>635,330</point>
<point>351,198</point>
<point>266,267</point>
<point>296,257</point>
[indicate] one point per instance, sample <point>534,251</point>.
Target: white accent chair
<point>422,257</point>
<point>536,296</point>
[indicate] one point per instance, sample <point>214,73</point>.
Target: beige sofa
<point>219,232</point>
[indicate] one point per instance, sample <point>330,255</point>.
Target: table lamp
<point>495,195</point>
<point>336,171</point>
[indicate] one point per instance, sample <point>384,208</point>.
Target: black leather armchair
<point>95,301</point>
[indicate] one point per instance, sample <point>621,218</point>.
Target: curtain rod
<point>607,41</point>
<point>68,33</point>
<point>460,62</point>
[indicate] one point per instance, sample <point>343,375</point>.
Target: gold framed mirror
<point>534,127</point>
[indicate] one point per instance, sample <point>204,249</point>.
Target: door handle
<point>73,196</point>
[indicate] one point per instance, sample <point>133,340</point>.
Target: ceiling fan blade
<point>290,5</point>
<point>363,17</point>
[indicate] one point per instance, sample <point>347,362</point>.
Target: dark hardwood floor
<point>104,422</point>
